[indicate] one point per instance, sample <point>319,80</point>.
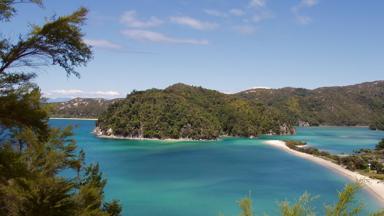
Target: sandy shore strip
<point>374,186</point>
<point>85,119</point>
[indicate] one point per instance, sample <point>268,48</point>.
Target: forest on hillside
<point>182,111</point>
<point>354,105</point>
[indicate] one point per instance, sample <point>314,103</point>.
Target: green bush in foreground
<point>345,206</point>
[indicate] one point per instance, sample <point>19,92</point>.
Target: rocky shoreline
<point>99,133</point>
<point>109,135</point>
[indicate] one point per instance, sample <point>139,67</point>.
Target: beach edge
<point>373,186</point>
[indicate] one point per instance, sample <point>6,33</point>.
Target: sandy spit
<point>374,186</point>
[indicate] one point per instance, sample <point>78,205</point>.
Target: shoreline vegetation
<point>374,186</point>
<point>99,134</point>
<point>102,136</point>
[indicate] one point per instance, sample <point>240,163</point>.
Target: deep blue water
<point>206,178</point>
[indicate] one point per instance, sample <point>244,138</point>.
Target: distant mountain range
<point>80,107</point>
<point>353,105</point>
<point>57,100</point>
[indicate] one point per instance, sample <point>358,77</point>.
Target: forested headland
<point>188,112</point>
<point>354,105</point>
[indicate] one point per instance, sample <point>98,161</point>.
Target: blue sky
<point>225,45</point>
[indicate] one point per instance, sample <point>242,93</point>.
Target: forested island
<point>186,112</point>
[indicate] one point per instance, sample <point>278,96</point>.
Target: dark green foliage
<point>380,145</point>
<point>182,111</point>
<point>58,41</point>
<point>7,7</point>
<point>295,143</point>
<point>31,154</point>
<point>377,123</point>
<point>377,166</point>
<point>113,208</point>
<point>22,108</point>
<point>359,104</point>
<point>354,162</point>
<point>29,184</point>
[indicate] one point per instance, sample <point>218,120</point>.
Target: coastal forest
<point>182,111</point>
<point>354,105</point>
<point>42,170</point>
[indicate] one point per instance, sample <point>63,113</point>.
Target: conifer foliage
<point>34,156</point>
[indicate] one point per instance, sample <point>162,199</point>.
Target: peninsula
<point>187,112</point>
<point>373,185</point>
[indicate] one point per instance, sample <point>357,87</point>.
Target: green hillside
<point>80,108</point>
<point>361,104</point>
<point>182,111</point>
<point>240,114</point>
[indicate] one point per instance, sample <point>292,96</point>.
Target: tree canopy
<point>32,154</point>
<point>182,111</point>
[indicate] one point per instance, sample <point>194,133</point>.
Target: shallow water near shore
<point>337,140</point>
<point>206,178</point>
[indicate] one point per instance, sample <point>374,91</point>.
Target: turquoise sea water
<point>206,178</point>
<point>338,140</point>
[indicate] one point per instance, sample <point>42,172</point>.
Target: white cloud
<point>303,19</point>
<point>215,13</point>
<point>231,12</point>
<point>107,93</point>
<point>257,3</point>
<point>245,29</point>
<point>193,23</point>
<point>157,37</point>
<point>236,12</point>
<point>262,15</point>
<point>302,5</point>
<point>309,3</point>
<point>67,91</point>
<point>73,93</point>
<point>261,11</point>
<point>130,19</point>
<point>102,44</point>
<point>261,87</point>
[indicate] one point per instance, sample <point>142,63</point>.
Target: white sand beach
<point>374,186</point>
